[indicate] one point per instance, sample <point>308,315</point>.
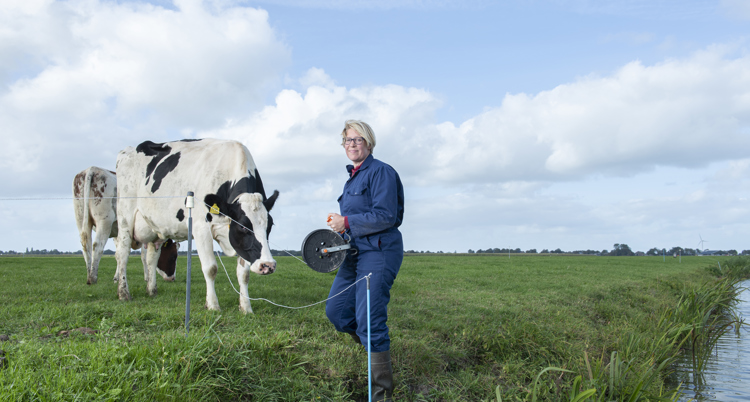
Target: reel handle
<point>329,219</point>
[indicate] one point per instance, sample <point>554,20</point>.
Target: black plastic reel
<point>324,250</point>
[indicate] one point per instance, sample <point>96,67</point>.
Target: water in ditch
<point>727,374</point>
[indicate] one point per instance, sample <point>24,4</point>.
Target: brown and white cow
<point>95,206</point>
<point>153,182</point>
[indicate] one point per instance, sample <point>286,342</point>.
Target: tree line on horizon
<point>617,251</point>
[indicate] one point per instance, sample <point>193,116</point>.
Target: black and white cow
<point>223,175</point>
<point>95,206</point>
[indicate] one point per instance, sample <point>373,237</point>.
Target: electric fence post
<point>369,352</point>
<point>189,204</point>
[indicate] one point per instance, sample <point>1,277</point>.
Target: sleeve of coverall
<point>383,188</point>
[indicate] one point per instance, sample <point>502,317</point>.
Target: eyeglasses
<point>357,140</point>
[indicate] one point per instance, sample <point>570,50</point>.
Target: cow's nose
<point>269,267</point>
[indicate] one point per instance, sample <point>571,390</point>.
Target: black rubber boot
<point>355,337</point>
<point>382,377</point>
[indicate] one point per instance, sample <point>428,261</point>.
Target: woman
<point>372,208</point>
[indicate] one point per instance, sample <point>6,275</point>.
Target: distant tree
<point>653,251</point>
<point>531,251</point>
<point>745,252</point>
<point>544,251</point>
<point>622,250</point>
<point>732,252</point>
<point>471,251</point>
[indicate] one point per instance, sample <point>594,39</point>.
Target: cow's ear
<point>268,203</point>
<point>216,204</point>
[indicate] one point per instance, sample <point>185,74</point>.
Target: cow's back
<point>156,177</point>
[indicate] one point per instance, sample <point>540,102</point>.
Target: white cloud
<point>683,113</point>
<point>297,140</point>
<point>86,75</point>
<point>675,113</point>
<point>85,78</point>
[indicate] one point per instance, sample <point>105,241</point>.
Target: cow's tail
<point>86,193</point>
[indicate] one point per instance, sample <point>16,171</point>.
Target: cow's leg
<point>204,245</point>
<point>243,277</point>
<point>152,258</point>
<point>102,235</point>
<point>117,256</point>
<point>144,259</point>
<point>123,252</point>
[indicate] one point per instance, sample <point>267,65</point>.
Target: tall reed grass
<point>703,313</point>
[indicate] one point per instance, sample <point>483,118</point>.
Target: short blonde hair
<point>363,129</point>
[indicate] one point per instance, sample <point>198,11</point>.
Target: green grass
<point>463,327</point>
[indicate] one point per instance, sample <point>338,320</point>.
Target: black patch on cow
<point>165,167</point>
<point>180,215</point>
<point>243,240</point>
<point>159,169</point>
<point>191,139</point>
<point>258,183</point>
<point>157,151</point>
<point>268,227</point>
<point>228,192</point>
<point>168,257</point>
<point>150,148</point>
<point>209,218</point>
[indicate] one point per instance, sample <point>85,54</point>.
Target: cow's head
<point>249,228</point>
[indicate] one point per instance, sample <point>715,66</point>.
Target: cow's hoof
<point>153,293</point>
<point>212,308</point>
<point>169,279</point>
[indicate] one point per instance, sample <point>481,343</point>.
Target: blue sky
<point>533,124</point>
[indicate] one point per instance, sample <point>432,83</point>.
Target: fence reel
<point>325,250</point>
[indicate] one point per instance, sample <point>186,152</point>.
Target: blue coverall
<point>373,202</point>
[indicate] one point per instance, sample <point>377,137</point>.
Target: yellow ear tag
<point>214,209</point>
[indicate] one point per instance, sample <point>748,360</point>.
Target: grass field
<point>463,327</point>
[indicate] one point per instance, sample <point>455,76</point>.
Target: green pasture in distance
<point>460,326</point>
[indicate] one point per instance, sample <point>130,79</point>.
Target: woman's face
<point>357,153</point>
